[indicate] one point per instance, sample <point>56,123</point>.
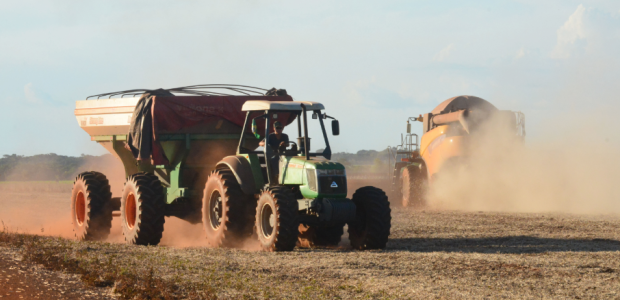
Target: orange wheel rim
<point>130,211</point>
<point>80,208</point>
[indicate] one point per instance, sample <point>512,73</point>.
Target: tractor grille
<point>332,185</point>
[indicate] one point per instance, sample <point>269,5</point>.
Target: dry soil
<point>431,254</point>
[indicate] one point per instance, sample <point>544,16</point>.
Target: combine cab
<point>448,132</point>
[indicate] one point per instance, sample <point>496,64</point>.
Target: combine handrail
<point>198,90</point>
<point>406,147</point>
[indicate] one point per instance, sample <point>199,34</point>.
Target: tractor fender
<point>242,170</point>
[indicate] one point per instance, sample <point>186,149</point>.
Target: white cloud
<point>30,94</point>
<point>444,53</point>
<point>520,53</point>
<point>569,33</point>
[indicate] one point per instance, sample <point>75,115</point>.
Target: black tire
<point>396,191</point>
<point>277,221</point>
<point>413,187</point>
<point>91,212</point>
<point>143,209</point>
<point>311,236</point>
<point>372,224</point>
<point>227,213</point>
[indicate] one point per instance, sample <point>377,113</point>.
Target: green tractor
<point>407,170</point>
<point>299,200</point>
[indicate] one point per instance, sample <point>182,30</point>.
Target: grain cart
<point>168,141</point>
<point>447,135</point>
<point>301,199</point>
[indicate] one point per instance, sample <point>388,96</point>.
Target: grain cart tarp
<point>159,115</point>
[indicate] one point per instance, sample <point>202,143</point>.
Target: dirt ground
<point>431,254</point>
<point>20,279</point>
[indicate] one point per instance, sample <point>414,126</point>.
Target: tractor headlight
<point>321,172</point>
<point>330,172</point>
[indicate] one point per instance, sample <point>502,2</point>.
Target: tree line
<point>54,167</point>
<point>48,167</point>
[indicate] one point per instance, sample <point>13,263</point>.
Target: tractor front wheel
<point>90,207</point>
<point>143,209</point>
<point>277,222</point>
<point>372,224</point>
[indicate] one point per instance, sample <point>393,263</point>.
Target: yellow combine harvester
<point>447,132</point>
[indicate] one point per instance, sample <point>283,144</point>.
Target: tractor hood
<point>317,177</point>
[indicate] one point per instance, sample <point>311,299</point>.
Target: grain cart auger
<point>447,139</point>
<point>168,141</point>
<point>299,197</point>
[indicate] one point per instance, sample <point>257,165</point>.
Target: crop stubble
<point>446,254</point>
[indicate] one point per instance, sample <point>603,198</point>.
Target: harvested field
<point>431,254</point>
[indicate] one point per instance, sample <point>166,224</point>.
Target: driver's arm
<point>265,140</point>
<point>284,142</point>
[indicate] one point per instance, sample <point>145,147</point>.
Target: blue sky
<point>372,63</point>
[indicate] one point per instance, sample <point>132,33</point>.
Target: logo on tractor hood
<point>334,185</point>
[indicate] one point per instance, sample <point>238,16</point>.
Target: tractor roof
<point>257,105</point>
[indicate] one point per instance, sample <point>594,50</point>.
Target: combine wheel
<point>372,224</point>
<point>310,236</point>
<point>142,209</point>
<point>277,223</point>
<point>412,187</point>
<point>90,207</point>
<point>226,218</point>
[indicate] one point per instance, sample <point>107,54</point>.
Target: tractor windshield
<point>295,138</point>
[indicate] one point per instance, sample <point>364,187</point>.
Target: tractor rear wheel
<point>413,187</point>
<point>372,224</point>
<point>277,222</point>
<point>310,236</point>
<point>226,217</point>
<point>143,209</point>
<point>90,207</point>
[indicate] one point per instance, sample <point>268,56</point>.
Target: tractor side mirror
<point>408,127</point>
<point>255,129</point>
<point>315,116</point>
<point>335,127</point>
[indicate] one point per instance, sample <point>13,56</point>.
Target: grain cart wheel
<point>226,218</point>
<point>310,236</point>
<point>142,209</point>
<point>371,227</point>
<point>277,222</point>
<point>90,210</point>
<point>412,187</point>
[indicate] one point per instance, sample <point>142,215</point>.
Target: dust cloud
<point>572,166</point>
<point>44,207</point>
<point>182,234</point>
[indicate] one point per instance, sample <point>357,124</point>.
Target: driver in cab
<point>277,141</point>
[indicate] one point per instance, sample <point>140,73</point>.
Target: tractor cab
<point>290,164</point>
